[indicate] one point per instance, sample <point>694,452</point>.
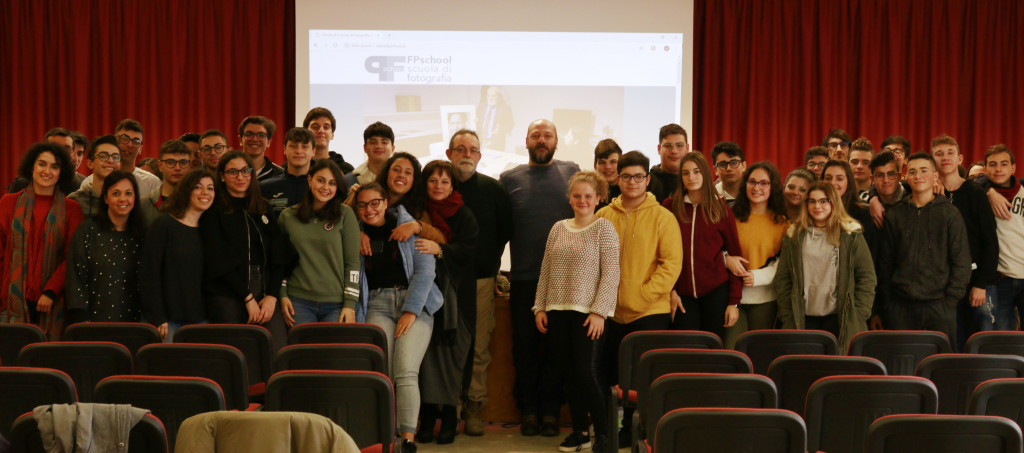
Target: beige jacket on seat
<point>253,432</point>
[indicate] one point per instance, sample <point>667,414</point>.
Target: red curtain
<point>175,66</point>
<point>776,75</point>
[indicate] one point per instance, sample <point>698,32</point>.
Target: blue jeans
<point>383,310</point>
<point>312,311</point>
<point>173,326</point>
<point>987,316</point>
<point>1010,295</point>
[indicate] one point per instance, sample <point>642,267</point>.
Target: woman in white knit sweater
<point>578,288</point>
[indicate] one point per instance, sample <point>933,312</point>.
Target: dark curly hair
<point>776,201</point>
<point>28,161</point>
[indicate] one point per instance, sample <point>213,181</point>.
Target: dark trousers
<point>576,356</point>
<point>229,310</point>
<point>537,387</point>
<point>614,333</point>
<point>828,323</point>
<point>922,315</point>
<point>706,312</point>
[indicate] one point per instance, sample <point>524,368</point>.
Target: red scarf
<point>443,209</point>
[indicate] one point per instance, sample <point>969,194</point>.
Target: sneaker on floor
<point>575,442</point>
<point>600,444</point>
<point>549,426</point>
<point>625,437</point>
<point>408,446</point>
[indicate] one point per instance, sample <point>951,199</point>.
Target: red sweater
<point>35,285</point>
<point>703,263</point>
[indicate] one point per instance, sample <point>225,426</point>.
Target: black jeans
<point>537,387</point>
<point>706,312</point>
<point>576,356</point>
<point>922,315</point>
<point>614,333</point>
<point>828,323</point>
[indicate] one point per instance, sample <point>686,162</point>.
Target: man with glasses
<point>66,140</point>
<point>129,142</point>
<point>288,188</point>
<point>212,144</point>
<point>322,124</point>
<point>729,166</point>
<point>175,160</point>
<point>976,311</point>
<point>925,262</point>
<point>102,158</point>
<point>861,153</point>
<point>672,145</point>
<point>899,147</point>
<point>838,143</point>
<point>650,262</point>
<point>254,134</point>
<point>537,194</point>
<point>815,159</point>
<point>487,200</point>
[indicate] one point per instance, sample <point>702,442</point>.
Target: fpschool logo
<point>386,66</point>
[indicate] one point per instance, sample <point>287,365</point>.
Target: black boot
<point>428,419</point>
<point>449,425</point>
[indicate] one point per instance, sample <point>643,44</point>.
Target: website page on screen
<point>428,84</point>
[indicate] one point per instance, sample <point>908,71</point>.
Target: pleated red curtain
<point>175,66</point>
<point>776,75</point>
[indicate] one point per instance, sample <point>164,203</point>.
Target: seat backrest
<point>254,342</point>
<point>222,364</point>
<point>658,362</point>
<point>996,342</point>
<point>363,403</point>
<point>338,357</point>
<point>794,374</point>
<point>999,397</point>
<point>764,346</point>
<point>22,389</point>
<point>172,399</point>
<point>87,362</point>
<point>943,433</point>
<point>841,408</point>
<point>147,436</point>
<point>133,335</point>
<point>899,350</point>
<point>680,390</point>
<point>720,430</point>
<point>333,332</point>
<point>956,376</point>
<point>636,344</point>
<point>13,337</point>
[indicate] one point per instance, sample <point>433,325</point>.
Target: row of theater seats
<point>330,369</point>
<point>838,396</point>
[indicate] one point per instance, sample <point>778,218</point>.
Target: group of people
<point>859,238</point>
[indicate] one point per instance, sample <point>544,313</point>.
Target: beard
<point>541,159</point>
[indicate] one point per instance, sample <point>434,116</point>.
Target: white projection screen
<point>598,69</point>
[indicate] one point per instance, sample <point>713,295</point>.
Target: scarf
<point>16,309</point>
<point>443,209</point>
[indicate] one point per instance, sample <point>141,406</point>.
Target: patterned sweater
<point>580,270</point>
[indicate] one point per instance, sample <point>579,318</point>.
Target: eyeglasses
<point>630,178</point>
<point>887,175</point>
<point>812,202</point>
<point>171,163</point>
<point>124,139</point>
<point>762,184</point>
<point>218,148</point>
<point>735,163</point>
<point>837,145</point>
<point>797,188</point>
<point>239,172</point>
<point>372,204</point>
<point>894,150</point>
<point>107,157</point>
<point>813,165</point>
<point>463,150</point>
<point>261,136</point>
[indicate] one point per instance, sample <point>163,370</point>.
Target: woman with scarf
<point>447,367</point>
<point>36,225</point>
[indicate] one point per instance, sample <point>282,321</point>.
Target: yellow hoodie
<point>651,257</point>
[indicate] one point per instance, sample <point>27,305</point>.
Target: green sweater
<point>328,269</point>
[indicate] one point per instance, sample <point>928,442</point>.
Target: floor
<point>501,438</point>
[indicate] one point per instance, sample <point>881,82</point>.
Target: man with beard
<point>537,193</point>
<point>487,199</point>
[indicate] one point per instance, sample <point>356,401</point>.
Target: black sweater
<point>172,267</point>
<point>488,201</point>
<point>977,213</point>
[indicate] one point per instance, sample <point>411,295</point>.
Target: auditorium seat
<point>899,350</point>
<point>794,374</point>
<point>996,342</point>
<point>222,364</point>
<point>715,430</point>
<point>956,376</point>
<point>764,346</point>
<point>87,362</point>
<point>999,397</point>
<point>147,436</point>
<point>23,388</point>
<point>337,357</point>
<point>253,341</point>
<point>13,337</point>
<point>943,434</point>
<point>133,335</point>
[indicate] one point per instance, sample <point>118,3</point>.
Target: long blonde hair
<point>711,205</point>
<point>838,220</point>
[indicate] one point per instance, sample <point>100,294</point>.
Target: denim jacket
<point>423,294</point>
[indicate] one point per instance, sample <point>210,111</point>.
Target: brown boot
<point>471,413</point>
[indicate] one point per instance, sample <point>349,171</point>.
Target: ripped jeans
<point>993,314</point>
